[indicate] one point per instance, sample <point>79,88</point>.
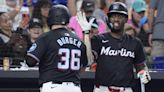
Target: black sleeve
<point>140,56</point>
<point>38,49</point>
<point>95,45</point>
<point>84,59</point>
<point>30,61</point>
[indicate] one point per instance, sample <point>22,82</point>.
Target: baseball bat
<point>142,85</point>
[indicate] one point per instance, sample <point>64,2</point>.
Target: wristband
<point>86,32</point>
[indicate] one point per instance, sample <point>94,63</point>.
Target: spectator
<point>88,6</point>
<point>129,3</point>
<point>23,17</point>
<point>14,43</point>
<point>5,34</point>
<point>16,15</point>
<point>41,10</point>
<point>63,2</point>
<point>100,13</point>
<point>35,29</point>
<point>157,25</point>
<point>72,6</point>
<point>11,4</point>
<point>94,28</point>
<point>129,29</point>
<point>140,22</point>
<point>75,5</point>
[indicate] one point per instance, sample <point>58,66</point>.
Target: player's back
<point>63,57</point>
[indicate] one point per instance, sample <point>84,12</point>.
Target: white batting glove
<point>84,24</point>
<point>144,76</point>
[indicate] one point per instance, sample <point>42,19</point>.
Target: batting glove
<point>144,76</point>
<point>84,24</point>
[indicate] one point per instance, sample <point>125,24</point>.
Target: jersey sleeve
<point>95,45</point>
<point>37,49</point>
<point>84,58</point>
<point>140,56</point>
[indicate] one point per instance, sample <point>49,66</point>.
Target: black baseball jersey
<point>60,54</point>
<point>116,58</point>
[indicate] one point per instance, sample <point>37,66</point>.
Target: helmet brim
<point>117,12</point>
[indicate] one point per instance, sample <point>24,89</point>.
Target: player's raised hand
<point>84,24</point>
<point>144,76</point>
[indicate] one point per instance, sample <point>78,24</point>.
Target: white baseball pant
<point>112,88</point>
<point>64,87</point>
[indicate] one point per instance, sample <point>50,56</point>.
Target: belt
<point>115,89</point>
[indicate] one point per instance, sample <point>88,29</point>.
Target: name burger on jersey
<point>69,40</point>
<point>122,52</point>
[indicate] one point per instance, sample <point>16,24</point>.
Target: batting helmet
<point>58,15</point>
<point>118,7</point>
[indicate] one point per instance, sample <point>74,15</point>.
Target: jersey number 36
<point>70,59</point>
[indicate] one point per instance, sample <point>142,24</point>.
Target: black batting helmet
<point>58,15</point>
<point>118,7</point>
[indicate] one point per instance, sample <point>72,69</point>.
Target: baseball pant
<point>64,87</point>
<point>112,89</point>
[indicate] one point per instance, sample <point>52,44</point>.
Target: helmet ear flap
<point>109,24</point>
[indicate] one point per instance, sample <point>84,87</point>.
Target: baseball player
<point>60,54</point>
<point>116,53</point>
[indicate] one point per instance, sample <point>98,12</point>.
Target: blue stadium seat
<point>158,62</point>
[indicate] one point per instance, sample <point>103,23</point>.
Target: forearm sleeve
<point>141,67</point>
<point>30,61</point>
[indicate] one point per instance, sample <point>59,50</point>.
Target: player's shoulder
<point>44,35</point>
<point>53,33</point>
<point>101,36</point>
<point>132,39</point>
